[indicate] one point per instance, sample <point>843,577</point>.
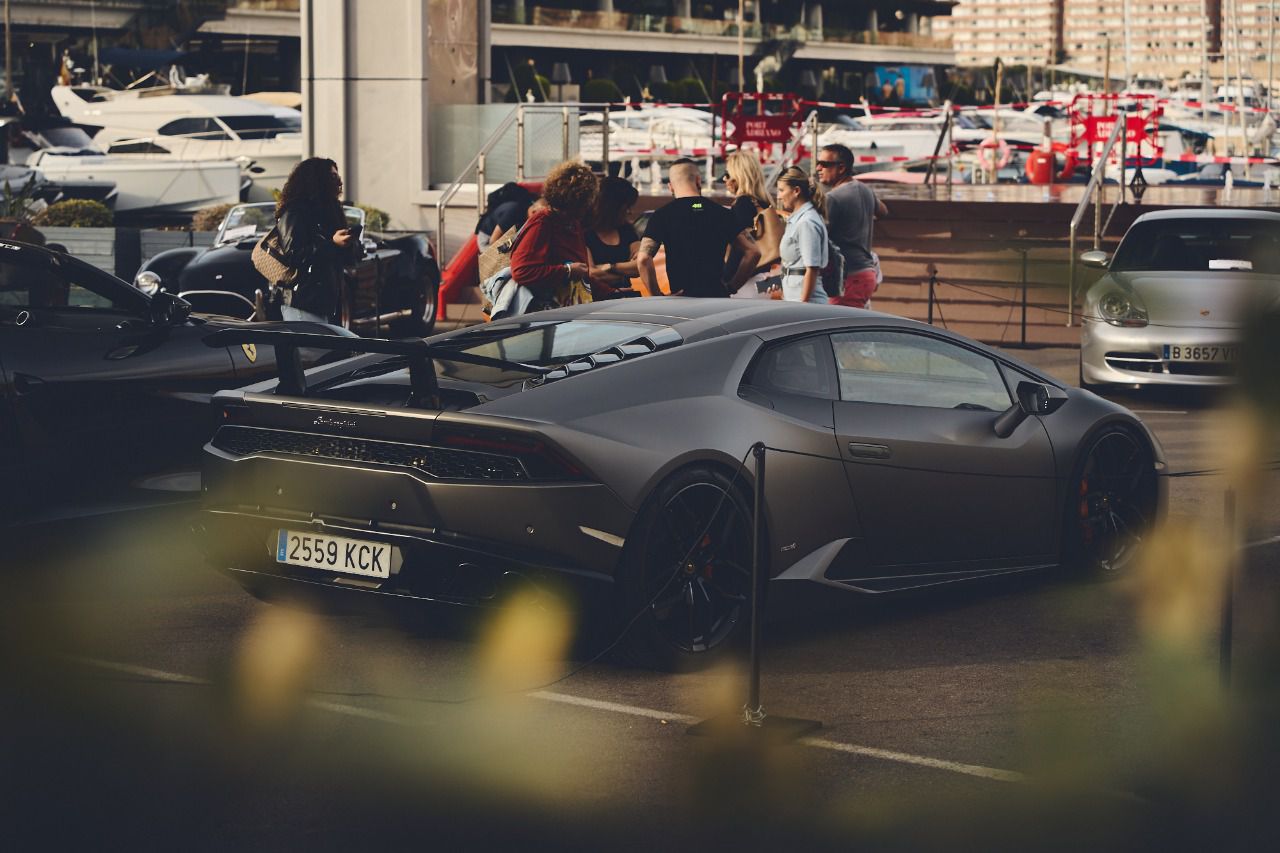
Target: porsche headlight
<point>1122,309</point>
<point>147,281</point>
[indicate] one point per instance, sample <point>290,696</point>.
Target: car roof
<point>727,315</point>
<point>1208,213</point>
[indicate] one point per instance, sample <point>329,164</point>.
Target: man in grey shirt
<point>852,208</point>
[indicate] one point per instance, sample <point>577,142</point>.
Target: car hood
<point>1218,299</point>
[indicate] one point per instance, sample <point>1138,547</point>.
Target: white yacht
<point>64,153</point>
<point>265,141</point>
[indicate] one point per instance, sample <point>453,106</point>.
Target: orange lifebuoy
<point>1071,159</point>
<point>1001,154</point>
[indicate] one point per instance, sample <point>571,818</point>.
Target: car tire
<point>680,614</point>
<point>1112,503</point>
<point>422,319</point>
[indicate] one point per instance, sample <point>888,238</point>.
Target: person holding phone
<point>316,239</point>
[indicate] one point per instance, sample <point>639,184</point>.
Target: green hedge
<point>75,213</point>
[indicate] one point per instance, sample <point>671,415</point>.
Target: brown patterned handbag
<point>269,260</point>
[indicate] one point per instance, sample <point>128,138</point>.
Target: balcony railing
<point>538,16</point>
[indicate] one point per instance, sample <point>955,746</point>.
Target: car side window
<point>795,367</point>
<point>905,369</point>
<point>35,286</point>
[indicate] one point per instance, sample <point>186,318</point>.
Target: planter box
<point>122,251</point>
<point>95,246</point>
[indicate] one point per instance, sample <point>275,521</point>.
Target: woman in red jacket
<point>553,249</point>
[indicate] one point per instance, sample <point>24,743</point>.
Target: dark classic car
<point>391,291</point>
<point>104,385</point>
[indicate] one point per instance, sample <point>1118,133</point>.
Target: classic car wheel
<point>686,580</point>
<point>422,320</point>
<point>1113,503</point>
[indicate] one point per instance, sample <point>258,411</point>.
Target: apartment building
<point>1018,32</point>
<point>1161,38</point>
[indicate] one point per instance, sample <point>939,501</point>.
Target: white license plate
<point>335,553</point>
<point>1202,352</point>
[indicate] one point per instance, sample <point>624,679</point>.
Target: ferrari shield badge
<point>250,352</point>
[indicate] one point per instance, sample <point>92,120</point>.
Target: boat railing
<point>1094,190</point>
<point>948,118</point>
<point>505,153</point>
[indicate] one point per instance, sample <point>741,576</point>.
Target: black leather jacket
<point>306,236</point>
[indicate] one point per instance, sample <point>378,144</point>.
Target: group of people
<point>578,237</point>
<point>580,233</point>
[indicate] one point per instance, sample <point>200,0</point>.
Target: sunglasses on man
<point>827,164</point>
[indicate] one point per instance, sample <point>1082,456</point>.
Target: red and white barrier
<point>1234,161</point>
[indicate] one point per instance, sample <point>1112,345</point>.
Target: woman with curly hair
<point>552,249</point>
<point>315,238</point>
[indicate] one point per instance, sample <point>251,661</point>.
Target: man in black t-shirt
<point>697,232</point>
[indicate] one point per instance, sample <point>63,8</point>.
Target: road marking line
<point>142,671</point>
<point>616,708</point>
<point>918,760</point>
<point>1270,540</point>
<point>1158,412</point>
<point>819,743</point>
<point>178,678</point>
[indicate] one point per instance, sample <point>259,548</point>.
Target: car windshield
<point>1200,245</point>
<point>254,220</point>
<point>547,343</point>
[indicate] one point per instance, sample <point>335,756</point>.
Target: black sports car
<point>605,443</point>
<point>103,384</point>
<point>392,291</point>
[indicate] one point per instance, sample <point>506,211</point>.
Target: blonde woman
<point>804,243</point>
<point>752,208</point>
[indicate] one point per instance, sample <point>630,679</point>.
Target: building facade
<point>1165,39</point>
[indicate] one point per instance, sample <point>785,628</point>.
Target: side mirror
<point>1096,259</point>
<point>1033,399</point>
<point>168,310</point>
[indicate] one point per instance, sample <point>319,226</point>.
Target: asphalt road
<point>150,701</point>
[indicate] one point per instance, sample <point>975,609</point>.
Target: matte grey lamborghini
<point>608,444</point>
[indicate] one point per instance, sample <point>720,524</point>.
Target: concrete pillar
<point>873,19</point>
<point>604,5</point>
<point>913,23</point>
<point>684,9</point>
<point>813,13</point>
<point>518,12</point>
<point>367,84</point>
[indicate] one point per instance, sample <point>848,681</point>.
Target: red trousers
<point>858,287</point>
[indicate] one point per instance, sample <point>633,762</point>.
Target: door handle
<point>25,383</point>
<point>869,451</point>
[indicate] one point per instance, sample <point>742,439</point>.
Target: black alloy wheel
<point>1113,505</point>
<point>687,581</point>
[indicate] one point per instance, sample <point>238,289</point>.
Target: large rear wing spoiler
<point>419,355</point>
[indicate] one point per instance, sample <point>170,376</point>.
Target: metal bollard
<point>933,284</point>
<point>1228,600</point>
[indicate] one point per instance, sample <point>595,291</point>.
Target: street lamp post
<point>741,18</point>
<point>1271,50</point>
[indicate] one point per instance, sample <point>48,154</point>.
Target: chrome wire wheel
<point>1115,501</point>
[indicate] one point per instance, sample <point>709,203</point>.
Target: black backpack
<point>832,276</point>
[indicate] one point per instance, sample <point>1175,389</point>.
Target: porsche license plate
<point>335,553</point>
<point>1202,352</point>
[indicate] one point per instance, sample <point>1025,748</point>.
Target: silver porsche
<point>1169,308</point>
